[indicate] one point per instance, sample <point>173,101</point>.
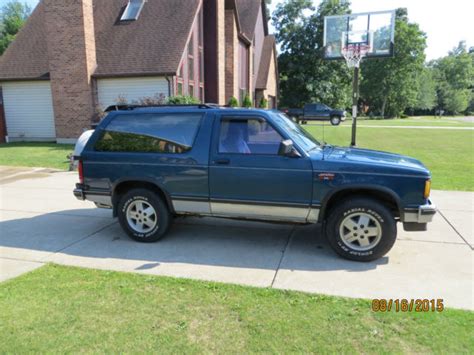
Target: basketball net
<point>353,53</point>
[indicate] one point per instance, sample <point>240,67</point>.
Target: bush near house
<point>247,103</point>
<point>233,102</point>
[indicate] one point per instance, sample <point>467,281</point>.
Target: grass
<point>67,310</point>
<point>412,121</point>
<point>449,154</point>
<point>46,155</point>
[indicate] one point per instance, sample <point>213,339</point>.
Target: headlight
<point>427,191</point>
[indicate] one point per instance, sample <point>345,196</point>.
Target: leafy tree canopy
<point>390,85</point>
<point>304,75</point>
<point>454,76</point>
<point>13,16</point>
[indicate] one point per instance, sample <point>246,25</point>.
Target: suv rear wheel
<point>361,229</point>
<point>143,215</point>
<point>335,120</point>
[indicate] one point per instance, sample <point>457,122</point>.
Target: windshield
<point>297,133</point>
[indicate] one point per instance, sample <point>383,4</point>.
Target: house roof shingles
<point>27,56</point>
<point>248,13</point>
<point>268,52</point>
<point>152,45</point>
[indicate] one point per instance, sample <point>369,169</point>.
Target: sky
<point>445,22</point>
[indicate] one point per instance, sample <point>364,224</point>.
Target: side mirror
<point>287,149</point>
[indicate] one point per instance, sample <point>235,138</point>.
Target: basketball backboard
<point>374,31</point>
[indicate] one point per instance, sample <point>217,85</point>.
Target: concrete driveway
<point>40,222</point>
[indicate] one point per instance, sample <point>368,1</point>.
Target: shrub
<point>182,100</point>
<point>157,99</point>
<point>263,103</point>
<point>233,102</point>
<point>247,103</point>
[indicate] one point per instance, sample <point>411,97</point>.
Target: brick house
<point>74,56</point>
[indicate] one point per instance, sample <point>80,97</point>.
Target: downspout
<point>169,85</point>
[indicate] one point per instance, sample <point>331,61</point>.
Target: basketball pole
<point>355,101</point>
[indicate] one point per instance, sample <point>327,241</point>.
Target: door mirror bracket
<point>287,149</point>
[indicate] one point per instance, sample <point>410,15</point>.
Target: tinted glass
<point>150,133</point>
<point>250,136</point>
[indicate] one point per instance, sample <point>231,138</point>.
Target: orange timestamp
<point>408,305</point>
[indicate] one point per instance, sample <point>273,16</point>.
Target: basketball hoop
<point>354,52</point>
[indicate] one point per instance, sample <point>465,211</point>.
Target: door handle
<point>222,161</point>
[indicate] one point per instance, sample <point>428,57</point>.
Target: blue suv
<point>150,164</point>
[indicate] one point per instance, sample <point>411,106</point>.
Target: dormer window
<point>132,11</point>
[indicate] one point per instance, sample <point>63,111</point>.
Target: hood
<point>376,158</point>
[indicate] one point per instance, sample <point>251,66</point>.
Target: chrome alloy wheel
<point>360,231</point>
<point>141,216</point>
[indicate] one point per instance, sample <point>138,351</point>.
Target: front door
<point>249,179</point>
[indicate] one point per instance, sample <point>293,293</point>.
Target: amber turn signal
<point>426,194</point>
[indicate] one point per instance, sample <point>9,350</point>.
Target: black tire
<point>162,217</point>
<point>377,213</point>
<point>335,120</point>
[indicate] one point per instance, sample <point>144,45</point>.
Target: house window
<point>180,81</point>
<point>201,94</point>
<point>191,68</point>
<point>191,46</point>
<point>132,11</point>
<point>243,71</point>
<point>191,89</point>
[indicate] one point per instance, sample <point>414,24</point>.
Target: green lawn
<point>449,154</point>
<point>46,155</point>
<point>63,309</point>
<point>412,121</point>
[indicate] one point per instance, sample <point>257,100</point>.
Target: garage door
<point>28,109</point>
<point>110,90</point>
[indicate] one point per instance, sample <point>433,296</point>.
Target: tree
<point>454,75</point>
<point>426,98</point>
<point>457,100</point>
<point>13,16</point>
<point>305,76</point>
<point>390,85</point>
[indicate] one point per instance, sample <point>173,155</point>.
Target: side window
<point>150,133</point>
<point>252,136</point>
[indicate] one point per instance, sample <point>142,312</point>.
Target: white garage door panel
<point>109,90</point>
<point>28,109</point>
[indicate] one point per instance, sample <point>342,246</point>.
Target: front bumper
<point>422,214</point>
<point>416,219</point>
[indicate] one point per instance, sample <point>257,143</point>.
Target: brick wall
<point>231,56</point>
<point>72,60</point>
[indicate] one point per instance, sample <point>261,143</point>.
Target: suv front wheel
<point>143,215</point>
<point>361,229</point>
<point>335,120</point>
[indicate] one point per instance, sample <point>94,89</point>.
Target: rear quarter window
<point>150,133</point>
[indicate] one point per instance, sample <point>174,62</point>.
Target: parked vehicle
<point>316,112</point>
<point>152,163</point>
